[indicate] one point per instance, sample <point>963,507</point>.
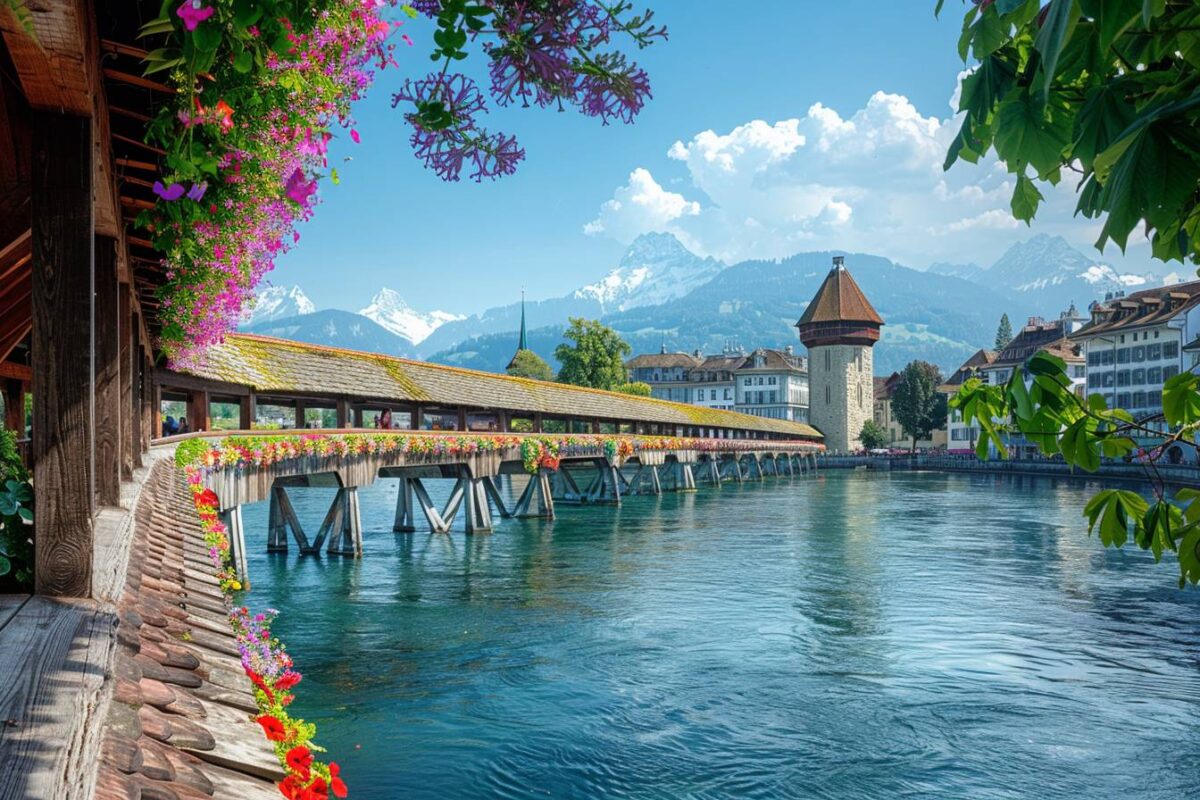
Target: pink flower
<point>354,135</point>
<point>298,188</point>
<point>193,13</point>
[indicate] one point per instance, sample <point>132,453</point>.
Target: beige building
<point>839,328</point>
<point>897,439</point>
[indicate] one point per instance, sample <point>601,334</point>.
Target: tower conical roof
<point>840,300</point>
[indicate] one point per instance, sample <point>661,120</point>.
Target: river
<point>845,636</point>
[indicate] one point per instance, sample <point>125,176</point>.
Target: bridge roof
<point>282,367</point>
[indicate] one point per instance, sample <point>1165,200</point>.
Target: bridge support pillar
<point>236,534</point>
<point>479,510</point>
<point>606,486</point>
<point>714,472</point>
<point>406,520</point>
<point>686,479</point>
<point>343,525</point>
<point>538,499</point>
<point>492,490</point>
<point>440,522</point>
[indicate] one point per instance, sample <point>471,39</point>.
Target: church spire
<point>522,344</point>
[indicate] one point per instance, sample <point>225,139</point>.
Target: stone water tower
<point>839,328</point>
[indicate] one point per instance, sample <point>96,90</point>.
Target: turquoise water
<point>848,636</point>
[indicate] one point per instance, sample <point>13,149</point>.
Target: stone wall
<point>841,393</point>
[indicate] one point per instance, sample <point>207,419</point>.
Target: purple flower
<point>620,94</point>
<point>172,192</point>
<point>298,188</point>
<point>197,191</point>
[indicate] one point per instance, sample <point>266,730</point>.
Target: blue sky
<point>462,247</point>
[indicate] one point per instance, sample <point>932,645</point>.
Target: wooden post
<point>126,366</point>
<point>197,410</point>
<point>462,420</point>
<point>343,413</point>
<point>301,415</point>
<point>138,406</point>
<point>63,393</point>
<point>247,411</point>
<point>156,416</point>
<point>107,366</point>
<point>14,407</point>
<point>405,521</point>
<point>417,419</point>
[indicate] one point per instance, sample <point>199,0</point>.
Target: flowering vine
<point>548,53</point>
<point>536,450</point>
<point>268,666</point>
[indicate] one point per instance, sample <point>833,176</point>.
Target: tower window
<point>827,400</point>
<point>860,395</point>
<point>827,364</point>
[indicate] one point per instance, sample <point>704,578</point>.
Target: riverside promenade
<point>1170,474</point>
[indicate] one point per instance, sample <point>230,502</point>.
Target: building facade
<point>1036,336</point>
<point>1133,344</point>
<point>961,437</point>
<point>839,328</point>
<point>773,383</point>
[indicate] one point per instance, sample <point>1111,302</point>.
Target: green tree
<point>528,364</point>
<point>873,436</point>
<point>1003,333</point>
<point>916,402</point>
<point>638,388</point>
<point>1105,89</point>
<point>597,357</point>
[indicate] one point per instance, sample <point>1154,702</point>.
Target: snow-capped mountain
<point>656,268</point>
<point>278,302</point>
<point>1048,268</point>
<point>389,310</point>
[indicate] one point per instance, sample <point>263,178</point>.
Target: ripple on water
<point>907,635</point>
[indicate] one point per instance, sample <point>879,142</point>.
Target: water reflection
<point>853,635</point>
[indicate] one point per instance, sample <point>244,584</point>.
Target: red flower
<point>299,759</point>
<point>339,788</point>
<point>272,727</point>
<point>290,788</point>
<point>207,498</point>
<point>260,683</point>
<point>287,680</point>
<point>318,789</point>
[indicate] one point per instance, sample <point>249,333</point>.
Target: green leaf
<point>1105,115</point>
<point>1024,135</point>
<point>1181,400</point>
<point>243,62</point>
<point>1152,9</point>
<point>25,513</point>
<point>1061,16</point>
<point>1189,554</point>
<point>246,12</point>
<point>984,87</point>
<point>157,26</point>
<point>1025,199</point>
<point>5,566</point>
<point>988,34</point>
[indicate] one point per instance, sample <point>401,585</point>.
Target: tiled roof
<point>663,360</point>
<point>279,366</point>
<point>772,359</point>
<point>1035,337</point>
<point>839,300</point>
<point>1143,309</point>
<point>180,724</point>
<point>980,359</point>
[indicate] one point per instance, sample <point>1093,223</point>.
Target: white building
<point>1036,336</point>
<point>1133,344</point>
<point>961,437</point>
<point>773,383</point>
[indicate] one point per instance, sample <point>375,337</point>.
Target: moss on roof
<point>279,366</point>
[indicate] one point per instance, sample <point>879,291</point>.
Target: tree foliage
<point>597,357</point>
<point>1038,401</point>
<point>636,388</point>
<point>916,403</point>
<point>873,435</point>
<point>1106,91</point>
<point>528,364</point>
<point>1004,333</point>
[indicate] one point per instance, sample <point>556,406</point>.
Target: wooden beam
<point>198,411</point>
<point>63,395</point>
<point>137,378</point>
<point>135,143</point>
<point>107,374</point>
<point>53,64</point>
<point>130,163</point>
<point>15,371</point>
<point>247,411</point>
<point>133,202</point>
<point>137,80</point>
<point>14,407</point>
<point>122,49</point>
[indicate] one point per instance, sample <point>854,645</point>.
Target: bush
<point>16,518</point>
<point>189,451</point>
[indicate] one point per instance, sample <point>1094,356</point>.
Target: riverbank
<point>1174,475</point>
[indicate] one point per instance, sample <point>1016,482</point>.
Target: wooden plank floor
<point>10,604</point>
<point>53,657</point>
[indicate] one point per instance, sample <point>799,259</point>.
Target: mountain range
<point>661,294</point>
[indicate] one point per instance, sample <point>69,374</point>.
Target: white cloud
<point>871,181</point>
<point>640,206</point>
